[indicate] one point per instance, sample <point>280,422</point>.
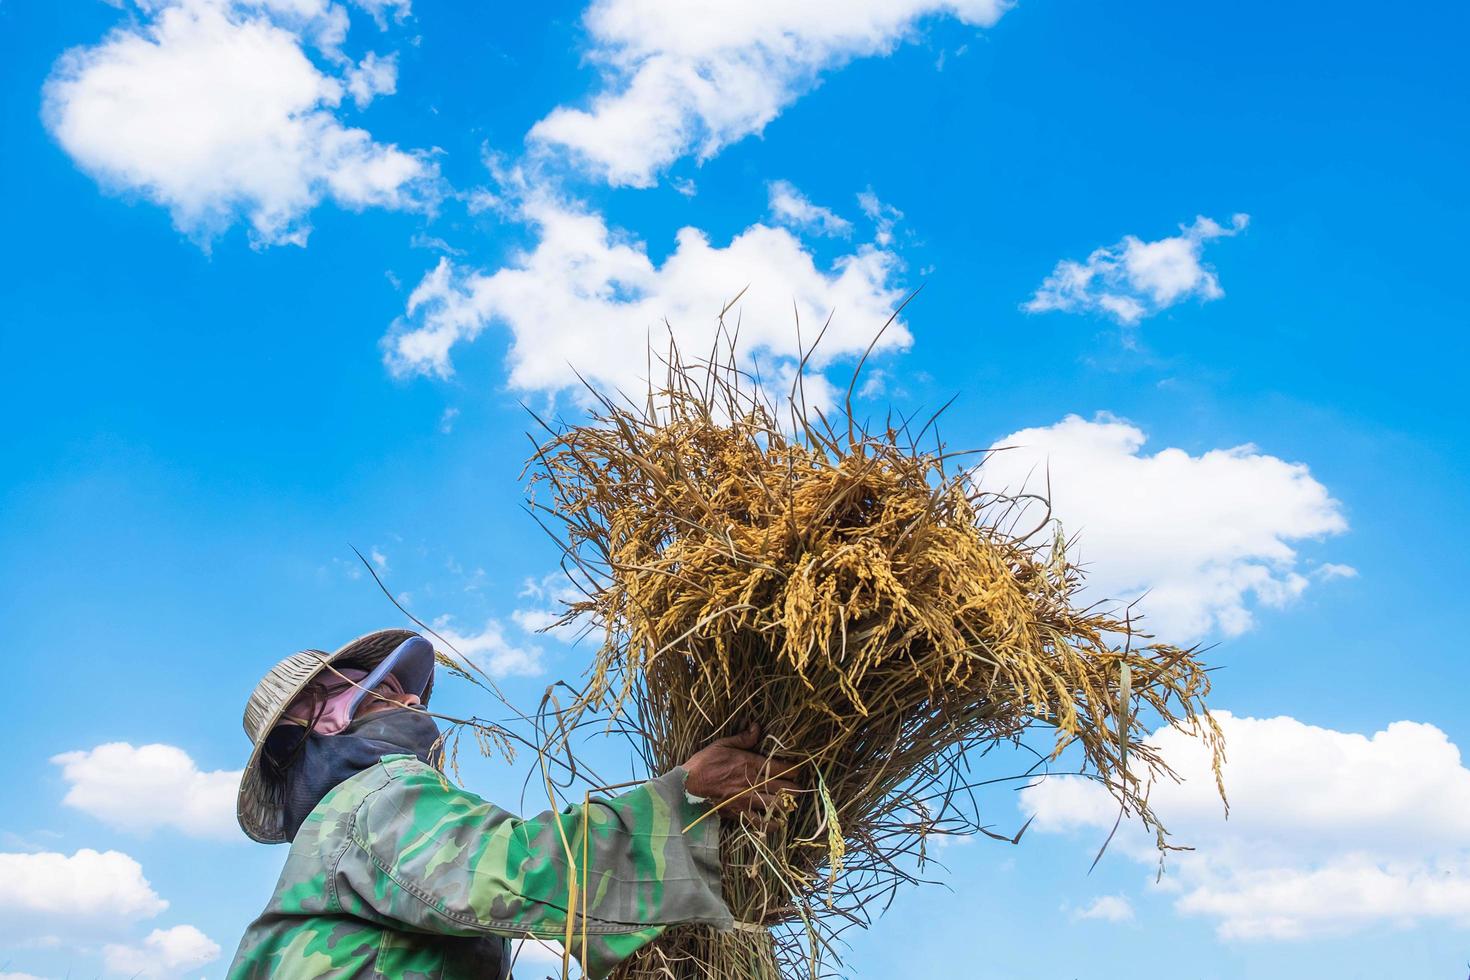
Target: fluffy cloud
<point>374,76</point>
<point>1134,278</point>
<point>88,886</point>
<point>490,651</point>
<point>1206,537</point>
<point>89,895</point>
<point>588,299</point>
<point>1328,830</point>
<point>164,953</point>
<point>151,787</point>
<point>213,109</point>
<point>790,206</point>
<point>696,77</point>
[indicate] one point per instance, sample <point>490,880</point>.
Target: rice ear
<point>877,612</point>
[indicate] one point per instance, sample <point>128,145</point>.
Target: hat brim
<point>411,662</point>
<point>260,805</point>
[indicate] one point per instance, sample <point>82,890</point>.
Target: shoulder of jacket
<point>394,806</point>
<point>408,768</point>
<point>402,761</point>
<point>349,794</point>
<point>397,776</point>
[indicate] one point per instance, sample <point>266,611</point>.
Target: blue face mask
<point>326,760</point>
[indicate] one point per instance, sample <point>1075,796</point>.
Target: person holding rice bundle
<point>395,872</point>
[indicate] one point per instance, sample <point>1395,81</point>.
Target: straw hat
<point>260,807</point>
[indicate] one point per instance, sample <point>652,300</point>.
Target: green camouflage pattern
<point>398,873</point>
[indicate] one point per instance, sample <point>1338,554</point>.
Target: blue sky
<point>266,297</point>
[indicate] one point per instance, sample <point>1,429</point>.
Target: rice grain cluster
<point>870,606</point>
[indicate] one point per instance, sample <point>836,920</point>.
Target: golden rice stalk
<point>864,601</point>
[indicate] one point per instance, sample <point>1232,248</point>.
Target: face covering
<point>327,760</point>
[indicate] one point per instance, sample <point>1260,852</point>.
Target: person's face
<point>381,700</point>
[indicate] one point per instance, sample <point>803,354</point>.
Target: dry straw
<point>881,616</point>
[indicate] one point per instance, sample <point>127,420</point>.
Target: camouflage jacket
<point>397,873</point>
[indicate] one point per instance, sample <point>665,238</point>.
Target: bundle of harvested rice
<point>864,601</point>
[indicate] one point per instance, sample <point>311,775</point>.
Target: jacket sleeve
<point>434,858</point>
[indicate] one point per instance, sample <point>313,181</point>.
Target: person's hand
<point>738,780</point>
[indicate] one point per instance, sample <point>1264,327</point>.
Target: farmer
<point>394,872</point>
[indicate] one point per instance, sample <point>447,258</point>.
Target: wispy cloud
<point>545,601</point>
<point>1108,908</point>
<point>489,650</point>
<point>884,216</point>
<point>791,207</point>
<point>1134,279</point>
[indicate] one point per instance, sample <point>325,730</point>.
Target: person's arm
<point>431,857</point>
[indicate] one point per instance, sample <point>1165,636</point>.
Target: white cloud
<point>791,207</point>
<point>435,243</point>
<point>534,620</point>
<point>212,109</point>
<point>446,420</point>
<point>374,76</point>
<point>382,10</point>
<point>164,953</point>
<point>19,976</point>
<point>490,650</point>
<point>379,559</point>
<point>352,569</point>
<point>1328,830</point>
<point>321,21</point>
<point>1135,279</point>
<point>1109,908</point>
<point>10,840</point>
<point>480,200</point>
<point>680,78</point>
<point>151,787</point>
<point>884,216</point>
<point>588,298</point>
<point>875,383</point>
<point>1207,537</point>
<point>87,886</point>
<point>548,598</point>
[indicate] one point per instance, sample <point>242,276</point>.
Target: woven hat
<point>260,807</point>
